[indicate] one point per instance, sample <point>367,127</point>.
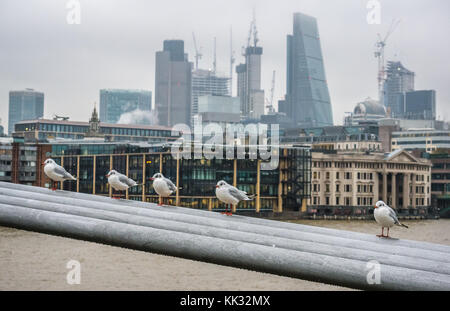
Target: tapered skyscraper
<point>307,98</point>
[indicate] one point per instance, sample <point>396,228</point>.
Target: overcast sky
<point>114,45</point>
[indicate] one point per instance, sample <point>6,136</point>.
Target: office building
<point>173,77</point>
<point>420,105</point>
<point>44,129</point>
<point>399,80</point>
<point>307,98</point>
<point>24,105</point>
<point>284,189</point>
<point>207,82</point>
<point>428,140</point>
<point>115,102</point>
<point>249,83</point>
<point>221,110</point>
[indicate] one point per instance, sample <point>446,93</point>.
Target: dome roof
<point>369,106</point>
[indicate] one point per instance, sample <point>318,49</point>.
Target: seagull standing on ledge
<point>163,186</point>
<point>119,181</point>
<point>386,217</point>
<point>56,172</point>
<point>230,195</point>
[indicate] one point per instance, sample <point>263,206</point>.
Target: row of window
<point>346,201</point>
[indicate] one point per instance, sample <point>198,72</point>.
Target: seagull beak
<point>107,175</point>
<point>152,178</point>
<point>217,186</point>
<point>375,206</point>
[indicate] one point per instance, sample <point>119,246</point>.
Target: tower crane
<point>269,103</point>
<point>379,53</point>
<point>198,55</point>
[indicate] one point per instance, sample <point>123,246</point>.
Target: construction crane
<point>379,53</point>
<point>198,55</point>
<point>269,103</point>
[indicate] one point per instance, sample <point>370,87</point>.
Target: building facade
<point>115,102</point>
<point>428,140</point>
<point>173,78</point>
<point>24,105</point>
<point>283,189</point>
<point>440,181</point>
<point>307,97</point>
<point>420,105</point>
<point>221,110</point>
<point>43,129</point>
<point>351,183</point>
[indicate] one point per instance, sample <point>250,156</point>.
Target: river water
<point>35,261</point>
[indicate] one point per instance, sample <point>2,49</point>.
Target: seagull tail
<point>251,197</point>
<point>403,225</point>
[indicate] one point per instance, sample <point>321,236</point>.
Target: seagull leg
<point>382,233</point>
<point>231,210</point>
<point>160,199</point>
<point>387,233</point>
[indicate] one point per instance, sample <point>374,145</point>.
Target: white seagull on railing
<point>386,217</point>
<point>56,172</point>
<point>230,195</point>
<point>119,181</point>
<point>163,186</point>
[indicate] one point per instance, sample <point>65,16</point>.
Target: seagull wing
<point>127,181</point>
<point>170,184</point>
<point>393,214</point>
<point>59,170</point>
<point>236,193</point>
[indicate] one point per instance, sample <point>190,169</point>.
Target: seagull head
<point>157,175</point>
<point>379,204</point>
<point>48,161</point>
<point>221,183</point>
<point>111,172</point>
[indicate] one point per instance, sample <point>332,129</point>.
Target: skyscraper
<point>249,83</point>
<point>207,82</point>
<point>115,102</point>
<point>173,76</point>
<point>24,105</point>
<point>420,105</point>
<point>398,81</point>
<point>307,98</point>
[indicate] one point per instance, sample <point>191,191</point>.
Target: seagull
<point>230,195</point>
<point>56,172</point>
<point>163,186</point>
<point>119,181</point>
<point>386,217</point>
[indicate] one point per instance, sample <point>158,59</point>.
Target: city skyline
<point>107,50</point>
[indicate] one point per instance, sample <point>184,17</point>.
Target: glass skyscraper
<point>307,98</point>
<point>114,103</point>
<point>173,78</point>
<point>24,105</point>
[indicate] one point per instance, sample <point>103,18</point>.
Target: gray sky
<point>115,45</point>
